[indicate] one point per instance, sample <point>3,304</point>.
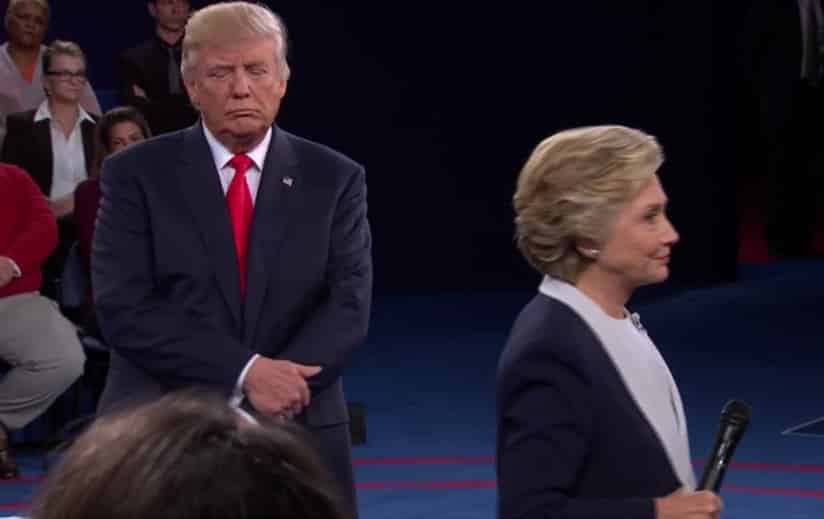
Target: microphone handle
<point>713,474</point>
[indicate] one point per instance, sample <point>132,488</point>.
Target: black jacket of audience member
<point>147,67</point>
<point>28,144</point>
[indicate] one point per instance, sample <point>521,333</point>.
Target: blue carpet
<point>426,377</point>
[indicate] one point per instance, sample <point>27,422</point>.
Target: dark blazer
<point>165,275</point>
<point>28,145</point>
<point>147,66</point>
<point>571,441</point>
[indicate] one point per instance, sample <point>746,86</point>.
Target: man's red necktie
<point>239,203</point>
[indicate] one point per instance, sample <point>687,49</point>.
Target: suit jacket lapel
<point>277,195</point>
<point>87,131</point>
<point>43,144</point>
<point>200,184</point>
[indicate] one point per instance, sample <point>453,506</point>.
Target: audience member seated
<point>187,454</point>
<point>116,129</point>
<point>36,342</point>
<point>21,72</point>
<point>149,74</point>
<point>54,143</point>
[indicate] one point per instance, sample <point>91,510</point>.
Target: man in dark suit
<point>260,294</point>
<point>149,74</point>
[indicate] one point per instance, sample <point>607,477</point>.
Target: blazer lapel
<point>87,131</point>
<point>277,195</point>
<point>43,144</point>
<point>201,188</point>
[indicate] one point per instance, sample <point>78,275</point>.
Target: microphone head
<point>736,412</point>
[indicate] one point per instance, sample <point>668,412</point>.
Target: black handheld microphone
<point>734,420</point>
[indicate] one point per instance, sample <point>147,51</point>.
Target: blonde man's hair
<point>571,188</point>
<point>228,22</point>
<point>14,4</point>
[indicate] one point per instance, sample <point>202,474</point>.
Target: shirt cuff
<point>237,394</point>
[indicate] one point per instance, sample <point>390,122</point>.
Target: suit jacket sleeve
<point>546,425</point>
<point>86,203</point>
<point>128,76</point>
<point>164,339</point>
<point>38,237</point>
<point>340,323</point>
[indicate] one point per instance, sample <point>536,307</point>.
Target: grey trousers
<point>44,355</point>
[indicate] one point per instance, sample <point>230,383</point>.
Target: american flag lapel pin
<point>288,181</point>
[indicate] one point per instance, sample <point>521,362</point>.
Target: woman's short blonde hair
<point>61,48</point>
<point>571,188</point>
<point>14,4</point>
<point>229,22</point>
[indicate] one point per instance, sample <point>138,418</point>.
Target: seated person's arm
<point>37,238</point>
<point>13,143</point>
<point>128,81</point>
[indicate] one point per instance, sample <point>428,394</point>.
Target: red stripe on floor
<point>786,467</point>
<point>371,485</point>
<point>23,479</point>
<point>774,491</point>
<point>443,460</point>
<point>423,460</point>
<point>13,506</point>
<point>797,492</point>
<point>426,484</point>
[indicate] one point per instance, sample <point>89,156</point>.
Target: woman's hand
<point>683,504</point>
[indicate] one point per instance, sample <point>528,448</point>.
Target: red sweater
<point>28,230</point>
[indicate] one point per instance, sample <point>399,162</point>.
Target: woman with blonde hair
<point>590,422</point>
<point>21,61</point>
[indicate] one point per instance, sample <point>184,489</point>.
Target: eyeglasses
<point>68,74</point>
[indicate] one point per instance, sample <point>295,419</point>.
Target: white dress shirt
<point>68,155</point>
<point>222,156</point>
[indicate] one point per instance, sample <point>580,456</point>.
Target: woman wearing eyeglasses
<point>54,143</point>
<point>21,58</point>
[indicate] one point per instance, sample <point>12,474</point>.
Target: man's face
<point>27,25</point>
<point>170,15</point>
<point>238,89</point>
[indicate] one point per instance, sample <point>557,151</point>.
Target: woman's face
<point>27,25</point>
<point>66,78</point>
<point>637,251</point>
<point>124,134</point>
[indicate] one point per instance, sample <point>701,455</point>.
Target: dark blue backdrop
<point>443,104</point>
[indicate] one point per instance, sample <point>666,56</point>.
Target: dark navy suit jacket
<point>571,441</point>
<point>165,274</point>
